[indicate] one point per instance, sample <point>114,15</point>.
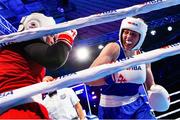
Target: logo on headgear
<point>133,23</point>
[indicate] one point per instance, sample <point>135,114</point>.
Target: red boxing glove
<point>67,37</point>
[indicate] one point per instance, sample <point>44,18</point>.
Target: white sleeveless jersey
<point>123,86</point>
<point>136,74</point>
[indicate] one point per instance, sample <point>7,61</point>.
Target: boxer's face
<point>49,39</point>
<point>129,39</point>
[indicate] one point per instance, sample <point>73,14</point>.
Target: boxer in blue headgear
<point>120,97</point>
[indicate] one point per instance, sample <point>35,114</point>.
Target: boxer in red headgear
<point>23,64</point>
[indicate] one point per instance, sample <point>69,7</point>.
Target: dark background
<point>166,71</point>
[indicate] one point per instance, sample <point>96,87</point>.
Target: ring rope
<point>87,75</point>
<point>175,93</point>
<point>174,102</point>
<point>95,19</point>
<point>169,113</point>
